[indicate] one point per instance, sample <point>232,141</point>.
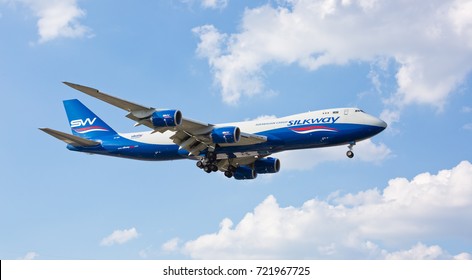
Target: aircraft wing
<point>136,112</point>
<point>190,134</point>
<point>70,139</point>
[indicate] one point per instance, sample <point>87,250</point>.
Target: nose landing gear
<point>350,153</point>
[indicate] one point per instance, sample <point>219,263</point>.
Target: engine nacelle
<point>166,118</point>
<point>267,165</point>
<point>244,172</point>
<point>228,134</point>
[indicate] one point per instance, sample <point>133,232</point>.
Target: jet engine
<point>228,134</point>
<point>244,172</point>
<point>267,165</point>
<point>166,118</point>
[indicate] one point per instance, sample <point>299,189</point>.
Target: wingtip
<point>69,84</point>
<point>81,88</point>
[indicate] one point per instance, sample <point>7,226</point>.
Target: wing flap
<point>70,139</point>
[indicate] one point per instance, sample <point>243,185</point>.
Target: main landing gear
<point>230,172</point>
<point>209,164</point>
<point>350,153</point>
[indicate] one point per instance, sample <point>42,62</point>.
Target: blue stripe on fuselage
<point>122,147</point>
<point>278,140</point>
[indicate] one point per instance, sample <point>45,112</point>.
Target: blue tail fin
<point>84,123</point>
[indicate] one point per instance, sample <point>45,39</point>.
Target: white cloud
<point>208,4</point>
<point>30,256</point>
<point>263,118</point>
<point>423,252</point>
<point>366,151</point>
<point>171,245</point>
<point>463,256</point>
<point>393,223</point>
<point>430,43</point>
<point>214,4</point>
<point>119,237</point>
<point>467,126</point>
<point>466,109</point>
<point>56,18</point>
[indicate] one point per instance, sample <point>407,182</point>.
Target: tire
<point>228,174</point>
<point>211,156</point>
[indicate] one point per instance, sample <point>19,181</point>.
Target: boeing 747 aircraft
<point>241,150</point>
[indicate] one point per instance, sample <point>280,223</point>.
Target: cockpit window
<point>359,110</point>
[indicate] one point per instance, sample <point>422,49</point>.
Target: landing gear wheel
<point>200,164</point>
<point>207,169</point>
<point>211,156</point>
<point>214,168</point>
<point>228,174</point>
<point>350,154</point>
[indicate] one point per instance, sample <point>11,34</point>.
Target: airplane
<point>240,150</point>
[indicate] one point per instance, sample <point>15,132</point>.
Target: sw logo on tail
<point>80,122</point>
<point>241,150</point>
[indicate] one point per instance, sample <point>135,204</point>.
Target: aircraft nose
<point>381,123</point>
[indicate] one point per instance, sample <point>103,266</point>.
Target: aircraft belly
<point>141,151</point>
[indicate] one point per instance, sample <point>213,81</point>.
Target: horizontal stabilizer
<point>70,139</point>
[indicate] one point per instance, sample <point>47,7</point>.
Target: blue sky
<point>406,194</point>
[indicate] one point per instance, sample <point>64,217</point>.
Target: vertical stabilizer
<point>84,123</point>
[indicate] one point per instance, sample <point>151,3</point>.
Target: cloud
<point>466,109</point>
<point>467,126</point>
<point>30,256</point>
<point>56,18</point>
<point>263,118</point>
<point>214,4</point>
<point>430,45</point>
<point>393,223</point>
<point>423,252</point>
<point>366,151</point>
<point>171,245</point>
<point>119,237</point>
<point>207,4</point>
